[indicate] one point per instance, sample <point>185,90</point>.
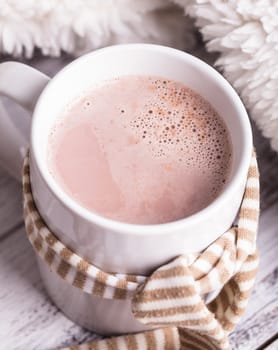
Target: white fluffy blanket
<point>245,32</point>
<point>77,26</point>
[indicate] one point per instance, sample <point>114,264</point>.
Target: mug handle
<point>23,84</point>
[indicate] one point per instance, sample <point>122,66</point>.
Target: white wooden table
<point>29,320</point>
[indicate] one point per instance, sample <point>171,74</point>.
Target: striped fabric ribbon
<point>171,299</point>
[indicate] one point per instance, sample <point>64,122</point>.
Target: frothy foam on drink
<point>141,149</point>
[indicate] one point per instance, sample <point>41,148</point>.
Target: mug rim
<point>150,229</point>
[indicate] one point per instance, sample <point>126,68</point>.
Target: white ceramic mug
<point>111,245</point>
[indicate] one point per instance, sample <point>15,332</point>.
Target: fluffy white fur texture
<point>244,32</point>
<point>77,26</point>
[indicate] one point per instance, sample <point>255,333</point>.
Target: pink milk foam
<point>142,150</point>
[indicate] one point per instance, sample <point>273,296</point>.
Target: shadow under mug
<point>110,245</point>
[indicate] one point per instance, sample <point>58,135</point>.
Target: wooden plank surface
<point>272,346</point>
<point>28,319</point>
<point>10,204</point>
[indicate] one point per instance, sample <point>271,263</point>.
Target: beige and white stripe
<point>173,296</point>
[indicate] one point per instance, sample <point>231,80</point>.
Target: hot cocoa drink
<point>141,150</point>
